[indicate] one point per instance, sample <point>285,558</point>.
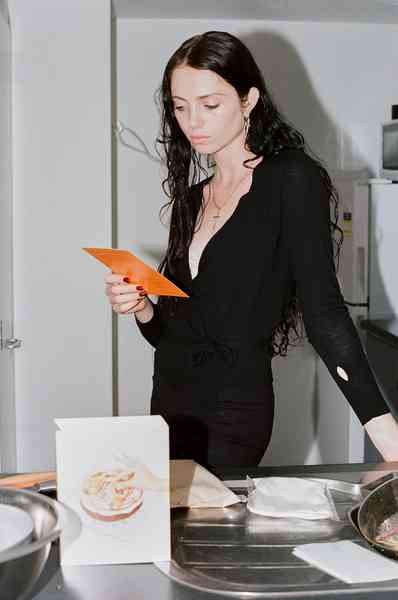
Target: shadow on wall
<point>293,91</point>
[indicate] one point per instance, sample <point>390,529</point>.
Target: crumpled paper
<point>191,485</point>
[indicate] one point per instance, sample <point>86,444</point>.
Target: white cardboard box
<point>113,472</point>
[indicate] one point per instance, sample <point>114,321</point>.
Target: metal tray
<point>233,552</point>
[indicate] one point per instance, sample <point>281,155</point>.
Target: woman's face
<point>207,108</point>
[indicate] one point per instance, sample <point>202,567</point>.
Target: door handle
<point>12,343</point>
<point>8,343</point>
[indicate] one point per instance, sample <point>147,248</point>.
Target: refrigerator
<point>341,436</point>
<point>383,251</point>
<point>383,295</point>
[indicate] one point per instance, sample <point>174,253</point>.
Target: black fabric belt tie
<point>208,350</point>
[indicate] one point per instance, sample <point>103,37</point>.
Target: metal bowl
<point>21,565</point>
<point>375,511</point>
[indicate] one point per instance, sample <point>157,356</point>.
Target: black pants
<point>216,426</point>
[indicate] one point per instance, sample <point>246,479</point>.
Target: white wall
<point>139,197</point>
<point>62,201</point>
<point>336,84</point>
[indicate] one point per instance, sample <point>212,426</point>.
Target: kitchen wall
<point>335,83</point>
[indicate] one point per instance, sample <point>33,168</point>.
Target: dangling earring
<point>246,126</point>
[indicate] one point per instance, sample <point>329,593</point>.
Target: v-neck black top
<point>277,237</point>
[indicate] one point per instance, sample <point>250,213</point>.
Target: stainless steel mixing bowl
<point>21,565</point>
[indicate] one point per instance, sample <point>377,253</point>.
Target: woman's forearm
<point>383,431</point>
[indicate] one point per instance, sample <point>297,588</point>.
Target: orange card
<point>125,263</point>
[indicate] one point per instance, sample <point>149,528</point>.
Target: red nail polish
<point>140,288</point>
<point>126,279</point>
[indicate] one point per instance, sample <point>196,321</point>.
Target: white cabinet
<point>62,202</point>
<point>383,274</point>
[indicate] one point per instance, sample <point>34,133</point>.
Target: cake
<point>111,495</point>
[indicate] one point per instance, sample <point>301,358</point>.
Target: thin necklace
<point>219,208</point>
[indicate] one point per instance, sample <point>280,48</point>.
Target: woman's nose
<point>195,119</point>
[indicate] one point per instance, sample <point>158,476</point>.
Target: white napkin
<point>191,485</point>
<point>291,497</point>
<point>348,561</point>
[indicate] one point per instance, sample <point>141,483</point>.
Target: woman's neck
<point>228,172</point>
<point>229,164</point>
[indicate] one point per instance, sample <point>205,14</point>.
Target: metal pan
<point>377,515</point>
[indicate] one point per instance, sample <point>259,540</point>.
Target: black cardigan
<point>278,237</point>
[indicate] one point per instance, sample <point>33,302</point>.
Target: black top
<point>278,235</point>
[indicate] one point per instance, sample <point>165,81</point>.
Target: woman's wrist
<point>145,314</point>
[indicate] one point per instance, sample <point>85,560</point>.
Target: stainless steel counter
<point>145,581</point>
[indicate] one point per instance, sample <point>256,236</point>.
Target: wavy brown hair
<point>269,133</point>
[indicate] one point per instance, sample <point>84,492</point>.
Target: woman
<point>252,246</point>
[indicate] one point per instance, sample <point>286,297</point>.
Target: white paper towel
<point>291,497</point>
<point>348,561</point>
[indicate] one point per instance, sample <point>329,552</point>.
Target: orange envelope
<point>125,263</point>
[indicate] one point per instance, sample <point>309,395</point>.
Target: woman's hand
<point>374,476</point>
<point>125,298</point>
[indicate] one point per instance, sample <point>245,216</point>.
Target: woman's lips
<point>199,139</point>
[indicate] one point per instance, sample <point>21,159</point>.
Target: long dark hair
<point>269,133</point>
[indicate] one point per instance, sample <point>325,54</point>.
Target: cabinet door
<point>383,358</point>
<point>62,197</point>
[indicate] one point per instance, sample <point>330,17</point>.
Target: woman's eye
<point>178,108</point>
<point>211,106</point>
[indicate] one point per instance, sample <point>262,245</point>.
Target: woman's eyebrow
<point>201,97</point>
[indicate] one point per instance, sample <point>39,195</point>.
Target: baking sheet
<point>231,551</point>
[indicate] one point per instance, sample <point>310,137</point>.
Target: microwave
<point>389,150</point>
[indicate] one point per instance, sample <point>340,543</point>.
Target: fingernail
<point>126,279</point>
<point>142,294</point>
<point>139,287</point>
